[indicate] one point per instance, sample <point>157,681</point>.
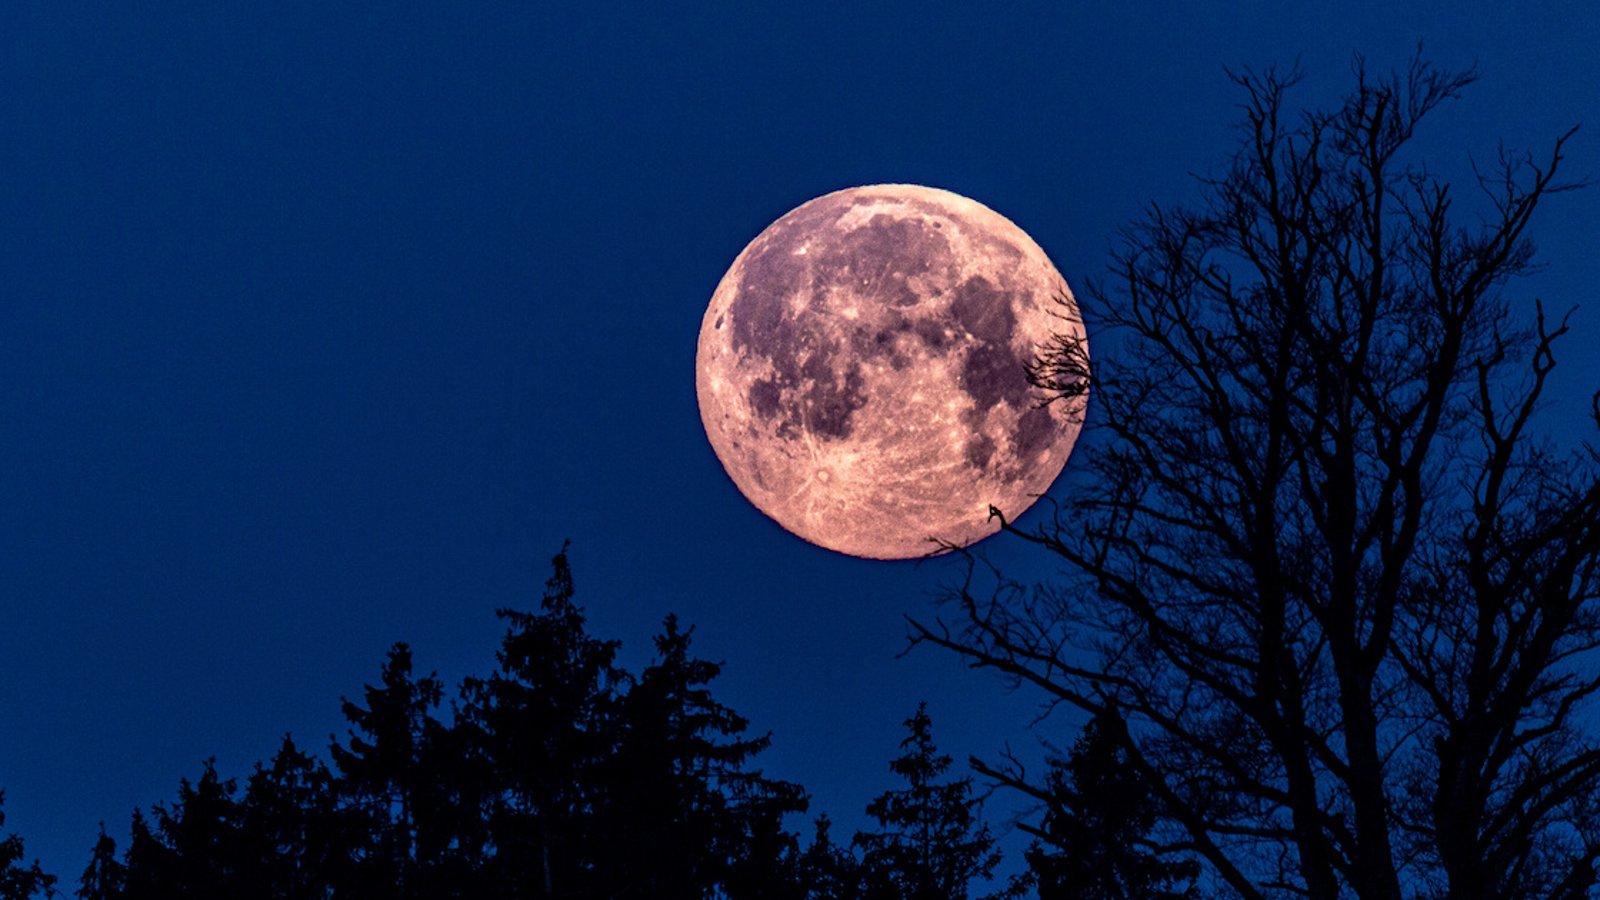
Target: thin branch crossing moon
<point>862,370</point>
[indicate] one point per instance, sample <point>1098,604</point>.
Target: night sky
<point>322,327</point>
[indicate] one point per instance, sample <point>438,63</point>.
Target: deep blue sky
<point>321,327</point>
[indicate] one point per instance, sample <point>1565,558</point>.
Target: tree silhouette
<point>560,775</point>
<point>291,820</point>
<point>1324,568</point>
<point>683,812</point>
<point>388,784</point>
<point>826,870</point>
<point>541,725</point>
<point>149,866</point>
<point>104,878</point>
<point>17,880</point>
<point>196,847</point>
<point>1094,840</point>
<point>933,844</point>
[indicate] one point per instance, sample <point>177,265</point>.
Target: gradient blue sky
<point>322,325</point>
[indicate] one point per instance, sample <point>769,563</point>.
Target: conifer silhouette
<point>933,844</point>
<point>19,880</point>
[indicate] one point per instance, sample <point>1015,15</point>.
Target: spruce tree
<point>149,866</point>
<point>290,821</point>
<point>933,844</point>
<point>387,782</point>
<point>539,727</point>
<point>687,817</point>
<point>1094,841</point>
<point>194,849</point>
<point>104,878</point>
<point>19,881</point>
<point>827,870</point>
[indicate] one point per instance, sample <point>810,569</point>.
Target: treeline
<point>562,775</point>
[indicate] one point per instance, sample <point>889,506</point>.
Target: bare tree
<point>1339,590</point>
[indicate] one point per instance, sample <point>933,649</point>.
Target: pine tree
<point>104,878</point>
<point>538,728</point>
<point>1094,839</point>
<point>388,783</point>
<point>827,870</point>
<point>19,881</point>
<point>687,817</point>
<point>290,822</point>
<point>933,844</point>
<point>149,866</point>
<point>195,849</point>
<point>204,830</point>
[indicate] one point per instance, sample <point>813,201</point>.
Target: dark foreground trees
<point>933,845</point>
<point>559,774</point>
<point>19,879</point>
<point>1333,596</point>
<point>1093,839</point>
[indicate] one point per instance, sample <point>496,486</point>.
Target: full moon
<point>861,370</point>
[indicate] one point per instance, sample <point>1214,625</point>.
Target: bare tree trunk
<point>1338,595</point>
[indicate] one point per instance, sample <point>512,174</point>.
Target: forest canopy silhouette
<point>558,775</point>
<point>1329,612</point>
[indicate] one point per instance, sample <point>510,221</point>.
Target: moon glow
<point>861,370</point>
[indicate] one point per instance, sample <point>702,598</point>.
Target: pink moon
<point>862,371</point>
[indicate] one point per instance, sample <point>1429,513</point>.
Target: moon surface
<point>861,370</point>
